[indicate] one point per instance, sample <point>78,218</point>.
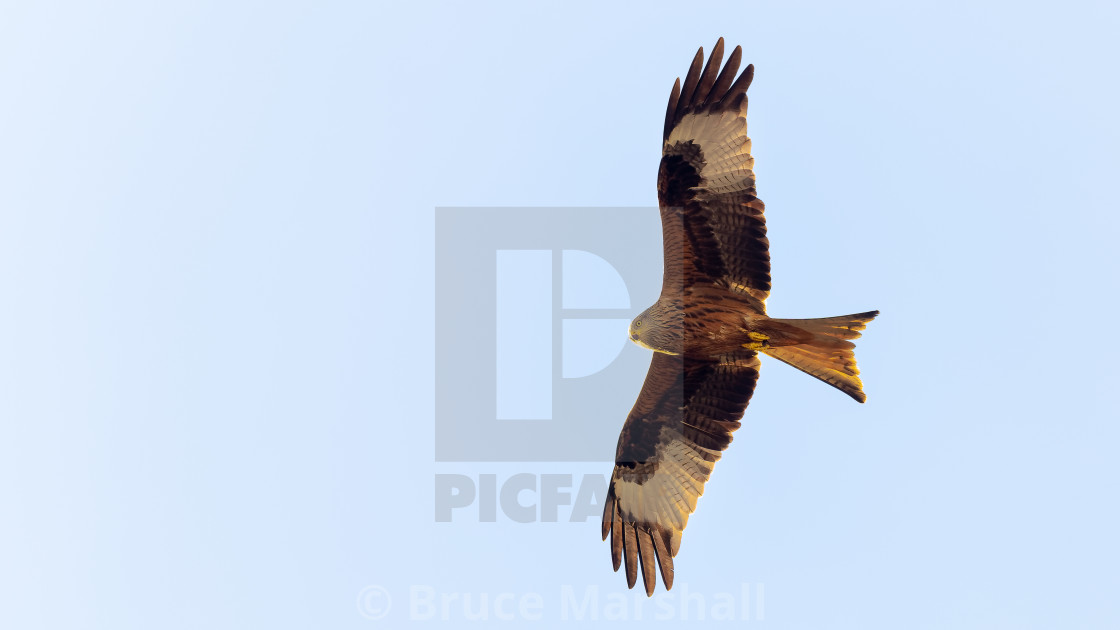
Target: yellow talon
<point>755,345</point>
<point>757,336</point>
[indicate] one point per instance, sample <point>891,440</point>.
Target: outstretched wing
<point>713,224</point>
<point>679,426</point>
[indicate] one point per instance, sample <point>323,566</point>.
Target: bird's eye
<point>638,324</point>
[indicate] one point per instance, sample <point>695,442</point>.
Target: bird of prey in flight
<point>709,324</point>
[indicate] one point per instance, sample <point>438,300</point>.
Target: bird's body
<point>709,324</point>
<point>710,321</point>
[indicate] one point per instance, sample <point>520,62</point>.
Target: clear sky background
<point>216,270</point>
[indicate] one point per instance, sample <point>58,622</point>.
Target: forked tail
<point>830,354</point>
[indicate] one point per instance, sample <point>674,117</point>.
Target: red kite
<point>708,325</point>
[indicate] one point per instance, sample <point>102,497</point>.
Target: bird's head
<point>636,328</point>
<point>658,329</point>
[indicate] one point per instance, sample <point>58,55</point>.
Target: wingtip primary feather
<point>608,515</point>
<point>738,90</point>
<point>708,78</point>
<point>726,76</point>
<point>670,111</point>
<point>630,546</point>
<point>645,550</point>
<point>616,537</point>
<point>690,82</point>
<point>664,558</point>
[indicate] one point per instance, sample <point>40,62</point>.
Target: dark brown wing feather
<point>712,220</point>
<point>678,429</point>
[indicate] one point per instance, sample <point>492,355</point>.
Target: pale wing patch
<point>668,496</point>
<point>724,146</point>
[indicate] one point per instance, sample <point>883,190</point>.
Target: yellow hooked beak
<point>637,339</point>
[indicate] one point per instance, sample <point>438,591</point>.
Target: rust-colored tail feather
<point>830,355</point>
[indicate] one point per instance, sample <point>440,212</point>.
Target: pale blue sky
<point>216,262</point>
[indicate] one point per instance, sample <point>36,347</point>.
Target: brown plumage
<point>708,324</point>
